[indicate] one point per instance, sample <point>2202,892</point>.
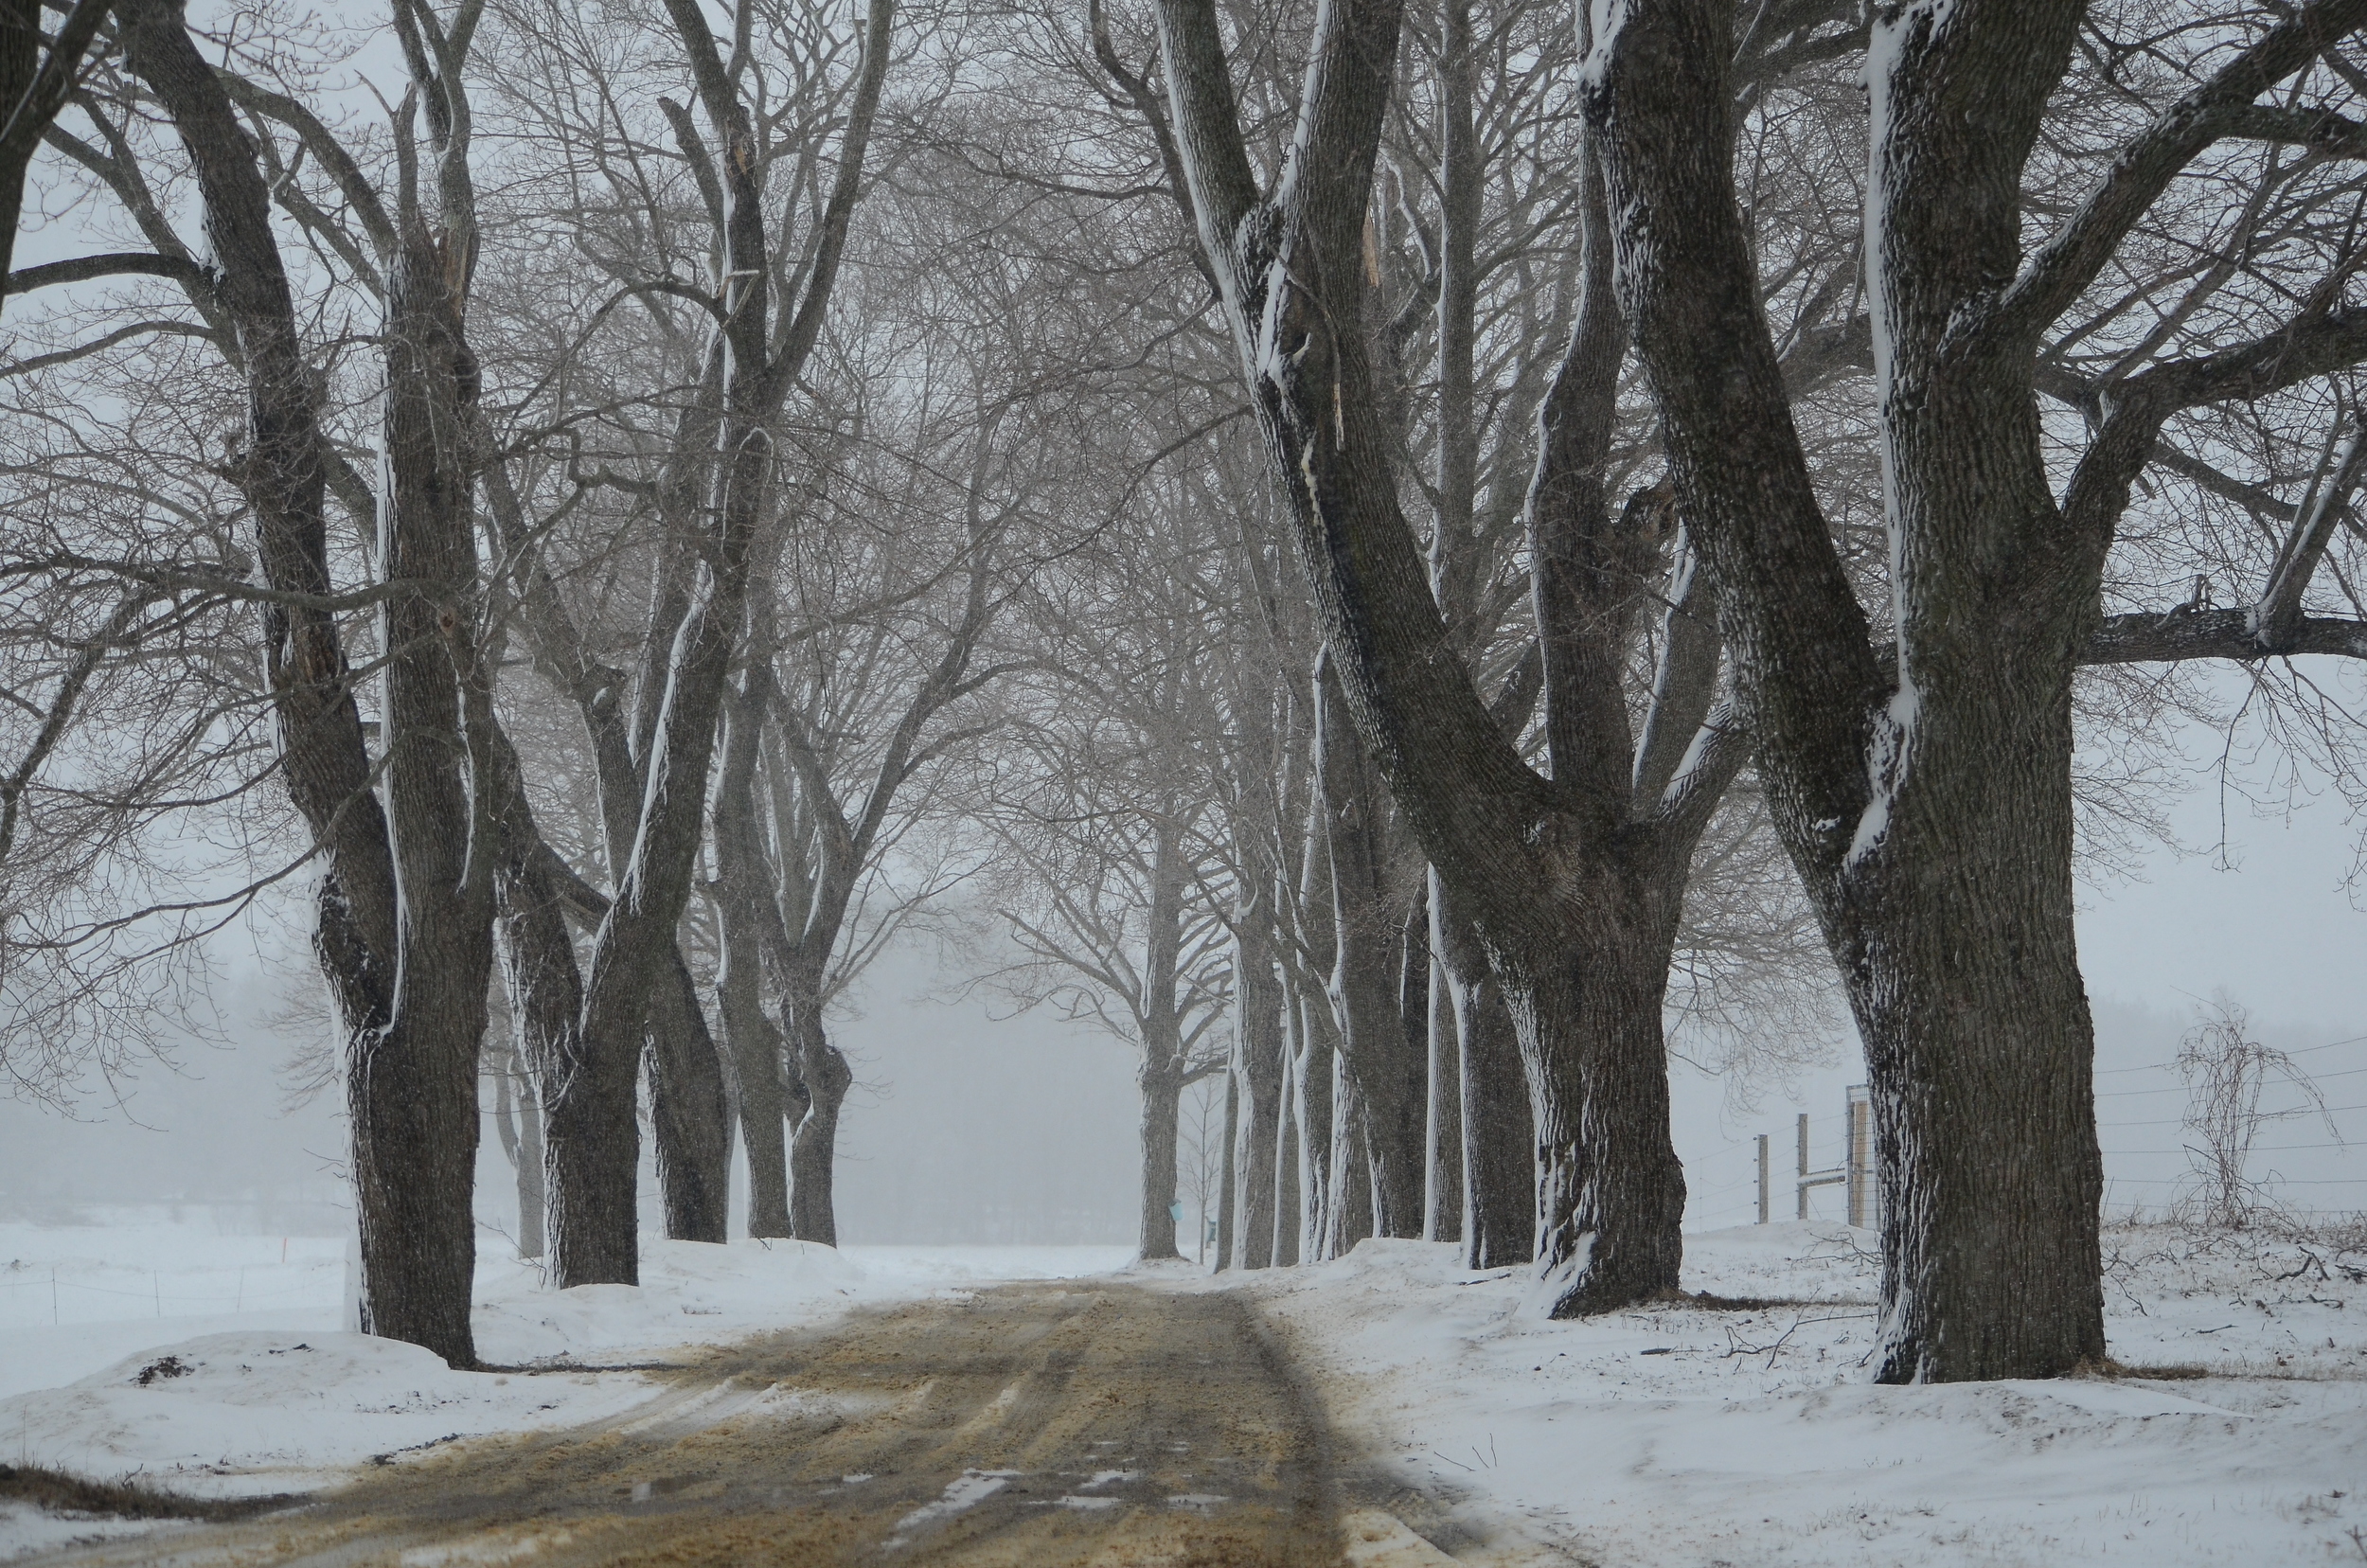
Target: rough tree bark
<point>1442,1191</point>
<point>748,1033</point>
<point>1925,796</point>
<point>1259,1045</point>
<point>405,914</point>
<point>1163,1072</point>
<point>1570,882</point>
<point>1227,1191</point>
<point>1290,1141</point>
<point>1373,880</point>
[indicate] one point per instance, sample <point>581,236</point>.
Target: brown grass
<point>60,1492</point>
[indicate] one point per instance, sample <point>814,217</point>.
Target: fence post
<point>1764,1188</point>
<point>1860,1158</point>
<point>1804,1165</point>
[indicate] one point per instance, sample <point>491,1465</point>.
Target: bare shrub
<point>2226,1071</point>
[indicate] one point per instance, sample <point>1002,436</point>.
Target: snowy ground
<point>277,1398</point>
<point>1679,1437</point>
<point>1686,1438</point>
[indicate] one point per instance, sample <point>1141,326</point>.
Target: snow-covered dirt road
<point>1036,1424</point>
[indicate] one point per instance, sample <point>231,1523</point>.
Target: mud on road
<point>1036,1426</point>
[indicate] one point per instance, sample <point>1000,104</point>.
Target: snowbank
<point>244,1414</point>
<point>1685,1435</point>
<point>277,1402</point>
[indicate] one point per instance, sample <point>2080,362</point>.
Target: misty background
<point>970,1128</point>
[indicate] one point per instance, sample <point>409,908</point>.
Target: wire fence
<point>2148,1173</point>
<point>92,1291</point>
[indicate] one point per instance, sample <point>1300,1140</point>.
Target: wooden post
<point>1764,1189</point>
<point>1804,1165</point>
<point>1817,1178</point>
<point>1860,1159</point>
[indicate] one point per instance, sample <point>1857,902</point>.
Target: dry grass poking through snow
<point>59,1492</point>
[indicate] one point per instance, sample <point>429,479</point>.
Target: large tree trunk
<point>1258,1014</point>
<point>1980,1049</point>
<point>1288,1140</point>
<point>756,1046</point>
<point>591,1135</point>
<point>1927,808</point>
<point>1349,1217</point>
<point>1371,893</point>
<point>1611,1194</point>
<point>1311,1115</point>
<point>824,1079</point>
<point>412,1087</point>
<point>1163,1103</point>
<point>1442,1150</point>
<point>1498,1155</point>
<point>748,911</point>
<point>519,1120</point>
<point>415,1286</point>
<point>533,1181</point>
<point>689,1112</point>
<point>1227,1191</point>
<point>594,1147</point>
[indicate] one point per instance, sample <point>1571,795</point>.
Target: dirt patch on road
<point>1033,1426</point>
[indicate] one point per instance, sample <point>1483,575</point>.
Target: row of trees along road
<point>1416,559</point>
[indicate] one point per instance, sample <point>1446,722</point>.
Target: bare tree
<point>1923,788</point>
<point>1572,881</point>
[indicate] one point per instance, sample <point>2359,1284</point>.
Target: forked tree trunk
<point>591,1135</point>
<point>1925,806</point>
<point>410,1089</point>
<point>405,934</point>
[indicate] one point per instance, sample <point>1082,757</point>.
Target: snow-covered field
<point>1685,1437</point>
